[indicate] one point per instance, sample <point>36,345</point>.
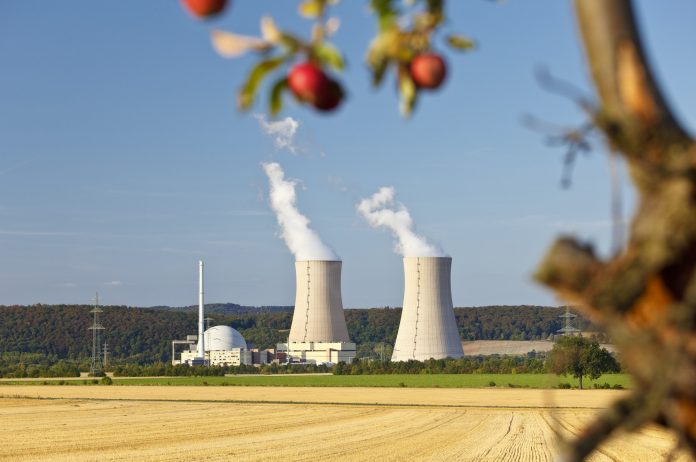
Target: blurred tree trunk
<point>645,297</point>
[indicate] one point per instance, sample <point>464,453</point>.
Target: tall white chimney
<point>201,328</point>
<point>318,315</point>
<point>428,328</point>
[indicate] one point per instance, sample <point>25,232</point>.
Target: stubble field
<point>52,423</point>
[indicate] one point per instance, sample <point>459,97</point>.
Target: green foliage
<point>184,370</point>
<point>275,103</point>
<point>383,380</point>
<point>578,356</point>
<point>106,380</point>
<point>373,325</point>
<point>494,364</point>
<point>134,335</point>
<point>53,340</point>
<point>278,49</point>
<point>247,94</point>
<point>17,364</point>
<point>403,33</point>
<point>512,322</point>
<point>460,43</point>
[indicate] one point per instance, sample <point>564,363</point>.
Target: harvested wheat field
<point>83,423</point>
<point>511,347</point>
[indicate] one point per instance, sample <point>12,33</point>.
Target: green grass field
<point>397,380</point>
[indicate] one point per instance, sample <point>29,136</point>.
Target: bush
<point>491,383</point>
<point>618,386</point>
<point>565,386</point>
<point>106,380</point>
<point>402,384</point>
<point>603,386</point>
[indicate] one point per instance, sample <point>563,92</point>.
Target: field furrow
<point>456,427</point>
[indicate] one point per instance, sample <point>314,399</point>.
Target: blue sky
<point>123,158</point>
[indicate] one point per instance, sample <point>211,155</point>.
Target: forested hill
<point>227,308</point>
<point>144,335</point>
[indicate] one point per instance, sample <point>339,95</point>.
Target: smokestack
<point>428,328</point>
<point>318,315</point>
<point>201,317</point>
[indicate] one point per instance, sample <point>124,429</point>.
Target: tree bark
<point>645,297</point>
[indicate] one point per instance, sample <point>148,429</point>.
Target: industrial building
<point>224,346</point>
<point>428,328</point>
<point>218,345</point>
<point>318,333</point>
<point>319,352</point>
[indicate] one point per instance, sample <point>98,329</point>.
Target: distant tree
<point>580,357</point>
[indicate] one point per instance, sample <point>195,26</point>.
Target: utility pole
<point>96,365</point>
<point>106,354</point>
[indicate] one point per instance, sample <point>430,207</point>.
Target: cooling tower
<point>428,328</point>
<point>318,315</point>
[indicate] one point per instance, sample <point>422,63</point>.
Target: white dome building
<point>224,346</point>
<point>223,338</point>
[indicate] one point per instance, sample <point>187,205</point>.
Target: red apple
<point>204,8</point>
<point>310,85</point>
<point>428,70</point>
<point>308,82</point>
<point>331,96</point>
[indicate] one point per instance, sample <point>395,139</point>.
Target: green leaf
<point>435,6</point>
<point>311,8</point>
<point>326,53</point>
<point>378,63</point>
<point>378,72</point>
<point>292,43</point>
<point>386,13</point>
<point>460,43</point>
<point>408,90</point>
<point>276,101</point>
<point>247,94</point>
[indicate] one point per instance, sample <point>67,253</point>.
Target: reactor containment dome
<point>428,328</point>
<point>219,338</point>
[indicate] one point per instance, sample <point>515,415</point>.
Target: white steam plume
<point>302,241</point>
<point>380,210</point>
<point>282,131</point>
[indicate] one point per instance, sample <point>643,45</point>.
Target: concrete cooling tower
<point>428,328</point>
<point>318,333</point>
<point>318,315</point>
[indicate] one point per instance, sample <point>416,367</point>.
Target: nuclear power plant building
<point>428,328</point>
<point>224,346</point>
<point>318,332</point>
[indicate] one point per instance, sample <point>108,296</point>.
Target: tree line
<point>575,356</point>
<point>144,335</point>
